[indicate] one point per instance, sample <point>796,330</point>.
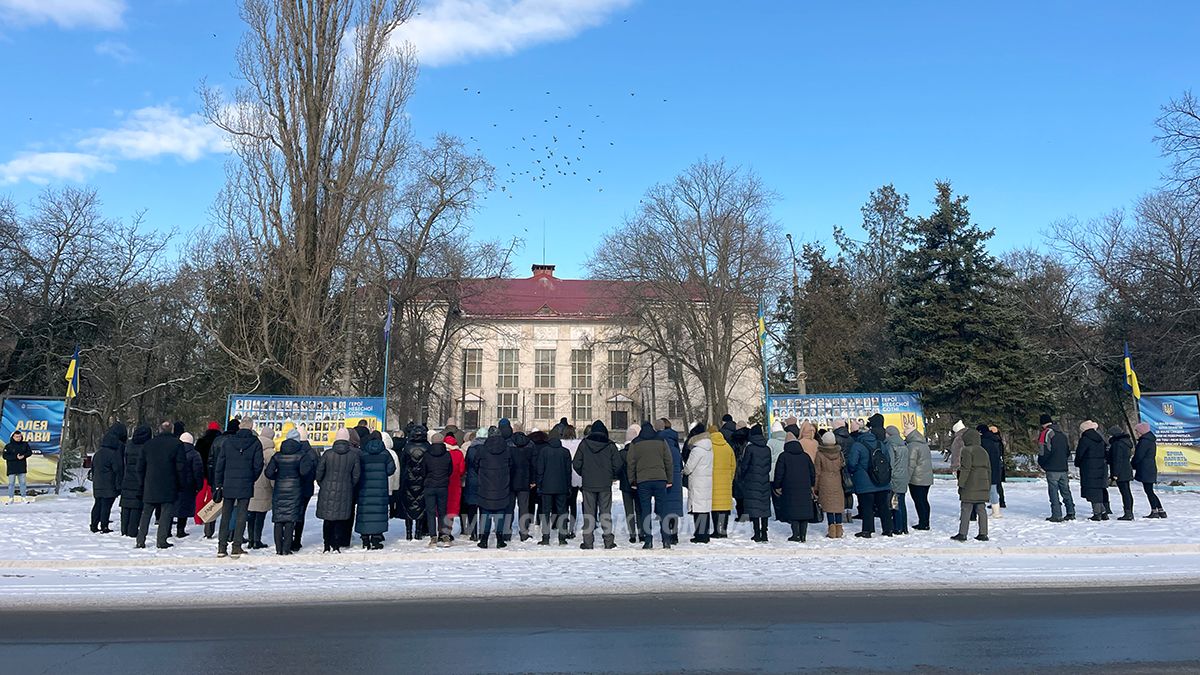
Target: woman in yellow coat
<point>724,467</point>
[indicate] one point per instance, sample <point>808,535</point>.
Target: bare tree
<point>318,134</point>
<point>701,252</point>
<point>1179,138</point>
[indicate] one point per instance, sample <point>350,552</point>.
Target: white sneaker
<point>996,511</point>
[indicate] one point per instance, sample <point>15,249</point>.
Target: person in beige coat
<point>808,439</point>
<point>260,503</point>
<point>829,464</point>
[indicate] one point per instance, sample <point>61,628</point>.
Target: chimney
<point>543,271</point>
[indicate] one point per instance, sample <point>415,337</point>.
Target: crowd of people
<point>557,484</point>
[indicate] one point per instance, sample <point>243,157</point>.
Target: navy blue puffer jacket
<point>373,496</point>
<point>290,469</point>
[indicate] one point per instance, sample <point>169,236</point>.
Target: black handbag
<point>817,515</point>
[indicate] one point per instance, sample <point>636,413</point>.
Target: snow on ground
<point>49,557</point>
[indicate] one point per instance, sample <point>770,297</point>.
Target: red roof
<point>544,296</point>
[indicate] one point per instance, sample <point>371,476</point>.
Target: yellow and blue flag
<point>762,325</point>
<point>72,377</point>
<point>1131,381</point>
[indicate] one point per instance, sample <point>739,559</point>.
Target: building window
<point>543,368</point>
<point>581,369</point>
<point>618,369</point>
<point>508,365</point>
<point>473,368</point>
<point>581,407</point>
<point>506,405</point>
<point>543,406</point>
<point>676,409</point>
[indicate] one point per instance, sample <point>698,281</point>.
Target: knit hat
<point>776,426</point>
<point>185,437</point>
<point>303,434</point>
<point>1045,419</point>
<point>958,426</point>
<point>293,434</point>
<point>829,439</point>
<point>342,434</point>
<point>235,425</point>
<point>1142,428</point>
<point>1115,431</point>
<point>482,433</point>
<point>790,437</point>
<point>213,426</point>
<point>1087,425</point>
<point>267,432</point>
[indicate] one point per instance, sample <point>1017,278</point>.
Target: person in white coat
<point>394,479</point>
<point>699,470</point>
<point>775,443</point>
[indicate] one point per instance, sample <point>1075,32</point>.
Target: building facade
<point>541,348</point>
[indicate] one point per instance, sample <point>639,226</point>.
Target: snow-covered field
<point>49,557</point>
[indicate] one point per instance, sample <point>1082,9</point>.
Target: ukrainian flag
<point>72,377</point>
<point>762,325</point>
<point>1131,381</point>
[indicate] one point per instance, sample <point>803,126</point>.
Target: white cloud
<point>116,49</point>
<point>448,31</point>
<point>43,167</point>
<point>102,14</point>
<point>156,131</point>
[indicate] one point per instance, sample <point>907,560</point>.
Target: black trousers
<point>700,524</point>
<point>524,514</point>
<point>164,523</point>
<point>552,513</point>
<point>800,529</point>
<point>1153,498</point>
<point>720,521</point>
<point>232,510</point>
<point>256,521</point>
<point>435,511</point>
<point>283,537</point>
<point>573,509</point>
<point>129,521</point>
<point>876,504</point>
<point>1126,495</point>
<point>102,511</point>
<point>920,497</point>
<point>298,530</point>
<point>468,518</point>
<point>338,532</point>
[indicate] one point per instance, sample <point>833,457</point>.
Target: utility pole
<point>801,374</point>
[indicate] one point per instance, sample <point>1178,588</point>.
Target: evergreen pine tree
<point>955,326</point>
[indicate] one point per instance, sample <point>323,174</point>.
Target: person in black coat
<point>1120,467</point>
<point>161,468</point>
<point>993,445</point>
<point>107,471</point>
<point>131,482</point>
<point>193,482</point>
<point>412,481</point>
<point>289,469</point>
<point>1091,456</point>
<point>522,482</point>
<point>239,463</point>
<point>738,440</point>
<point>16,455</point>
<point>437,466</point>
<point>495,468</point>
<point>307,487</point>
<point>552,475</point>
<point>371,518</point>
<point>210,466</point>
<point>1145,467</point>
<point>754,476</point>
<point>795,476</point>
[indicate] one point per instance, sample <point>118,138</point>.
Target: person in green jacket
<point>974,485</point>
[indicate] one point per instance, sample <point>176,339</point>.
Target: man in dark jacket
<point>522,455</point>
<point>598,463</point>
<point>412,481</point>
<point>495,469</point>
<point>437,467</point>
<point>210,466</point>
<point>873,495</point>
<point>239,464</point>
<point>16,454</point>
<point>650,469</point>
<point>552,475</point>
<point>107,471</point>
<point>161,468</point>
<point>1120,467</point>
<point>193,482</point>
<point>1145,467</point>
<point>993,445</point>
<point>1053,451</point>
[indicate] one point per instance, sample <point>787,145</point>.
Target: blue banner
<point>1175,421</point>
<point>321,416</point>
<point>40,421</point>
<point>825,409</point>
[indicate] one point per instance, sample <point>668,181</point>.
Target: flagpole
<point>387,357</point>
<point>762,348</point>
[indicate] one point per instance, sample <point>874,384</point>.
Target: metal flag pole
<point>387,355</point>
<point>762,347</point>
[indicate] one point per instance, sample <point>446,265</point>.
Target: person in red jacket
<point>458,469</point>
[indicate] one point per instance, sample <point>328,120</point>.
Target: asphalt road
<point>1004,631</point>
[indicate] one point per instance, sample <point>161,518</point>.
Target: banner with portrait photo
<point>321,416</point>
<point>40,421</point>
<point>1174,418</point>
<point>825,409</point>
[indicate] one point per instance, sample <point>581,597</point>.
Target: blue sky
<point>1037,110</point>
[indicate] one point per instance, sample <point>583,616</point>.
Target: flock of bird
<point>552,145</point>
